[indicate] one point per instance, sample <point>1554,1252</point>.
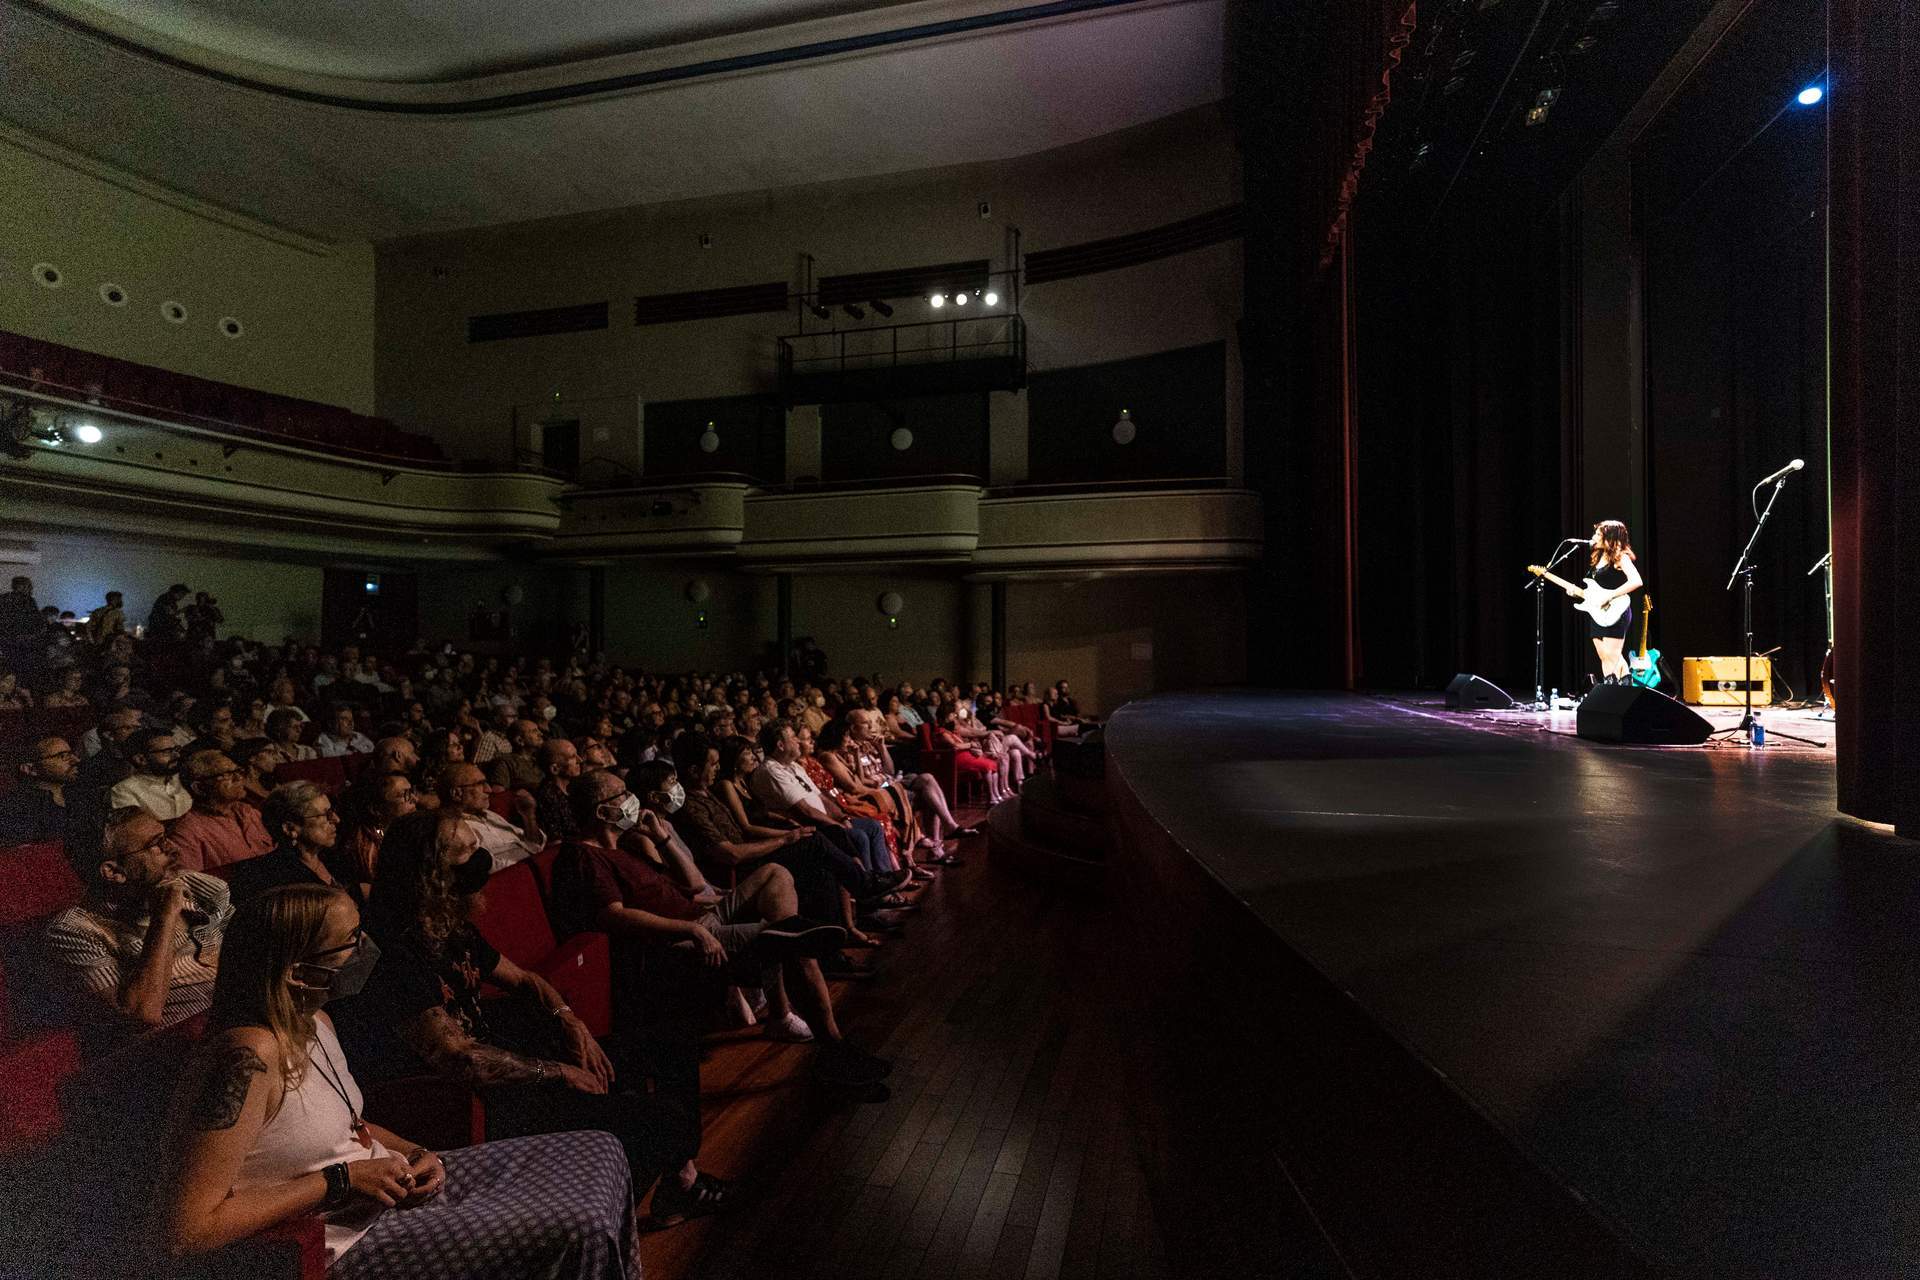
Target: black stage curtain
<point>1874,180</point>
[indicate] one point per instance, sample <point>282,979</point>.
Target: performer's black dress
<point>1610,579</point>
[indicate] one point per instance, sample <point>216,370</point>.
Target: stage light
<point>881,308</point>
<point>937,300</point>
<point>1810,95</point>
<point>87,433</point>
<point>855,310</point>
<point>1543,103</point>
<point>960,299</point>
<point>991,298</point>
<point>820,312</point>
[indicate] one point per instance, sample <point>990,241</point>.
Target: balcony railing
<point>978,352</point>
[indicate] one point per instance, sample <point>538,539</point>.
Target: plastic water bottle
<point>1553,700</point>
<point>1759,733</point>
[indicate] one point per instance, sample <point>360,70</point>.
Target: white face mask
<point>629,812</point>
<point>549,712</point>
<point>676,796</point>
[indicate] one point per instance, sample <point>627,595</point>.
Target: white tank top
<point>313,1129</point>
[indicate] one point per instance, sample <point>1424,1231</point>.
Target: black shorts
<point>1618,631</point>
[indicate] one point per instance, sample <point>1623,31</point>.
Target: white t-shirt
<point>780,787</point>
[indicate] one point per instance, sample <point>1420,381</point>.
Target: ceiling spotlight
<point>855,310</point>
<point>1810,95</point>
<point>881,308</point>
<point>960,299</point>
<point>991,298</point>
<point>820,312</point>
<point>937,300</point>
<point>87,433</point>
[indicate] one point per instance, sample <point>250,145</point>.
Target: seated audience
<point>492,740</point>
<point>67,691</point>
<point>14,696</point>
<point>534,1063</point>
<point>154,784</point>
<point>284,726</point>
<point>781,787</point>
<point>43,799</point>
<point>271,1126</point>
<point>560,763</point>
<point>222,826</point>
<point>966,759</point>
<point>520,768</point>
<point>257,758</point>
<point>146,942</point>
<point>754,927</point>
<point>107,620</point>
<point>367,809</point>
<point>465,788</point>
<point>344,738</point>
<point>439,749</point>
<point>305,829</point>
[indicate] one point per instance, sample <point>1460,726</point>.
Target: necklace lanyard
<point>355,1125</point>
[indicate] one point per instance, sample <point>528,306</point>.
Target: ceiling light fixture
<point>1123,428</point>
<point>937,301</point>
<point>960,299</point>
<point>87,433</point>
<point>1810,95</point>
<point>991,298</point>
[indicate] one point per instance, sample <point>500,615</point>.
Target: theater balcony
<point>87,462</point>
<point>942,519</point>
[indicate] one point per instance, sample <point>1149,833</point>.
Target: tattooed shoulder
<point>223,1095</point>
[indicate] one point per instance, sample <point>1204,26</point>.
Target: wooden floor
<point>1006,1149</point>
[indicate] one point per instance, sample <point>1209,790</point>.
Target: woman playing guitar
<point>1611,565</point>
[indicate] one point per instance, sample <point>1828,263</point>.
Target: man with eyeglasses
<point>464,787</point>
<point>305,830</point>
<point>39,807</point>
<point>146,942</point>
<point>221,827</point>
<point>154,784</point>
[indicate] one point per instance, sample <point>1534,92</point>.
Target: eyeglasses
<point>227,772</point>
<point>68,754</point>
<point>352,941</point>
<point>320,815</point>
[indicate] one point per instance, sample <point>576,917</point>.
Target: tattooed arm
<point>223,1103</point>
<point>444,1046</point>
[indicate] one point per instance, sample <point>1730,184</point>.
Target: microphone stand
<point>1824,567</point>
<point>1539,588</point>
<point>1743,574</point>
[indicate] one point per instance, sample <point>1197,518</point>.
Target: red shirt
<point>587,879</point>
<point>203,840</point>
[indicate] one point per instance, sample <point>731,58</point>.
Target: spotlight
<point>1543,103</point>
<point>937,300</point>
<point>1810,95</point>
<point>87,433</point>
<point>991,298</point>
<point>960,299</point>
<point>881,308</point>
<point>855,310</point>
<point>820,312</point>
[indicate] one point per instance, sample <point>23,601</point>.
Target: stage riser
<point>1280,1088</point>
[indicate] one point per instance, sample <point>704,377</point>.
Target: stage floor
<point>1674,977</point>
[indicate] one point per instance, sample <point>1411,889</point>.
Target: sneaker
<point>799,936</point>
<point>673,1203</point>
<point>791,1029</point>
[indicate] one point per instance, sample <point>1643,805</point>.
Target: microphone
<point>1784,472</point>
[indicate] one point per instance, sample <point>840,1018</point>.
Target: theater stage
<point>1524,997</point>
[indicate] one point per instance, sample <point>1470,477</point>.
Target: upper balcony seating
<point>32,364</point>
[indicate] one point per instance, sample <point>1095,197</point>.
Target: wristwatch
<point>339,1186</point>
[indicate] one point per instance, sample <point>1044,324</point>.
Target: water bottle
<point>1553,700</point>
<point>1759,733</point>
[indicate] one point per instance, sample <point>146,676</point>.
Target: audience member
<point>67,692</point>
<point>367,809</point>
<point>560,764</point>
<point>283,731</point>
<point>300,818</point>
<point>533,1061</point>
<point>344,738</point>
<point>154,784</point>
<point>258,758</point>
<point>520,768</point>
<point>42,803</point>
<point>221,827</point>
<point>107,621</point>
<point>272,1126</point>
<point>465,788</point>
<point>105,747</point>
<point>146,942</point>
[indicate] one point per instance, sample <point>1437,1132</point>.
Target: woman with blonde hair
<point>269,1125</point>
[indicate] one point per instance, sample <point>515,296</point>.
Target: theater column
<point>803,442</point>
<point>1874,320</point>
<point>1006,437</point>
<point>783,622</point>
<point>999,678</point>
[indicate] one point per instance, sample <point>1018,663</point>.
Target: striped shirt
<point>99,951</point>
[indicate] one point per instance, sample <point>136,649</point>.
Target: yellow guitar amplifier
<point>1721,682</point>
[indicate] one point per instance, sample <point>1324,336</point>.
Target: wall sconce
<point>709,439</point>
<point>698,592</point>
<point>891,603</point>
<point>1123,428</point>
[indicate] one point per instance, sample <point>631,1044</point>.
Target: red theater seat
<point>328,772</point>
<point>514,919</point>
<point>34,1059</point>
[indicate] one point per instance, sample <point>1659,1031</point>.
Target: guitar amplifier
<point>1721,682</point>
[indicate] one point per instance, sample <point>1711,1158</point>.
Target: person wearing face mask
<point>270,1124</point>
<point>153,785</point>
<point>533,1061</point>
<point>300,818</point>
<point>145,943</point>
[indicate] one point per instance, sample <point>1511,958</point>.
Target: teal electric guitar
<point>1644,666</point>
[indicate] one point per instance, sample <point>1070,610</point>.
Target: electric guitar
<point>1605,614</point>
<point>1644,667</point>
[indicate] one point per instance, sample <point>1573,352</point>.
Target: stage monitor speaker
<point>1628,713</point>
<point>1467,692</point>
